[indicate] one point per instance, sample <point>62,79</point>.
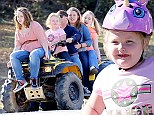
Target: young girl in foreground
<point>126,87</point>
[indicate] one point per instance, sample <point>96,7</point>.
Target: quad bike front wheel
<point>13,102</point>
<point>69,92</point>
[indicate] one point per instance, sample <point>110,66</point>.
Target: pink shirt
<point>56,36</point>
<point>94,35</point>
<point>126,92</point>
<point>31,39</point>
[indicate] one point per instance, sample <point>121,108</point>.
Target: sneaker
<point>20,85</point>
<point>93,70</point>
<point>86,91</point>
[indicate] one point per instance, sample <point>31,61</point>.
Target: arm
<point>94,106</point>
<point>62,37</point>
<point>17,44</point>
<point>87,41</point>
<point>16,48</point>
<point>76,35</point>
<point>40,35</point>
<point>96,48</point>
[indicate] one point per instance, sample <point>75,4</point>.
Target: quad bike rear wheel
<point>13,102</point>
<point>69,92</point>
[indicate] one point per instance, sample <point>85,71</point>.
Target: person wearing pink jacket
<point>30,45</point>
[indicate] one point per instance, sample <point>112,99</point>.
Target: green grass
<point>1,105</point>
<point>152,39</point>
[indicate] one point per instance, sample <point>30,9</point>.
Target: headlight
<point>47,69</point>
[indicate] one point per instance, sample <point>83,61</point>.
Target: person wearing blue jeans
<point>20,56</point>
<point>75,19</point>
<point>93,61</point>
<point>30,45</point>
<point>75,58</point>
<point>72,37</point>
<point>64,55</point>
<point>17,57</point>
<point>85,64</point>
<point>84,56</point>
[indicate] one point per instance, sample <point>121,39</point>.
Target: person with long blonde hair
<point>91,22</point>
<point>56,34</point>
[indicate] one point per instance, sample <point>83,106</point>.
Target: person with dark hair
<point>72,38</point>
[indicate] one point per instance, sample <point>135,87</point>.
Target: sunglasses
<point>62,15</point>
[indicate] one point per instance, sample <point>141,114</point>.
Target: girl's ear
<point>146,42</point>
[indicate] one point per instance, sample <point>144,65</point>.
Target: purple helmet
<point>129,15</point>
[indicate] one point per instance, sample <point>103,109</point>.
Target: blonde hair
<point>49,17</point>
<point>27,16</point>
<point>142,35</point>
<point>95,23</point>
<point>79,20</point>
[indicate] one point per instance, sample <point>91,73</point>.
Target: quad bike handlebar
<point>56,44</point>
<point>60,43</point>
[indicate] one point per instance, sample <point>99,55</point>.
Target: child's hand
<point>69,40</point>
<point>99,61</point>
<point>77,46</point>
<point>8,64</point>
<point>46,57</point>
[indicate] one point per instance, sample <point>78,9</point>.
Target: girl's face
<point>20,17</point>
<point>54,22</point>
<point>73,17</point>
<point>88,19</point>
<point>124,48</point>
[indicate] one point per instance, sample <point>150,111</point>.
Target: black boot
<point>34,82</point>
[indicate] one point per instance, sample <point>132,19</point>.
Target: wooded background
<point>40,9</point>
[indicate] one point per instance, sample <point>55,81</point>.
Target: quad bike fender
<point>67,67</point>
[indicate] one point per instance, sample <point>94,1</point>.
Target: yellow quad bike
<point>60,84</point>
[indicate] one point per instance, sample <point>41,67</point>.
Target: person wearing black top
<point>72,38</point>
